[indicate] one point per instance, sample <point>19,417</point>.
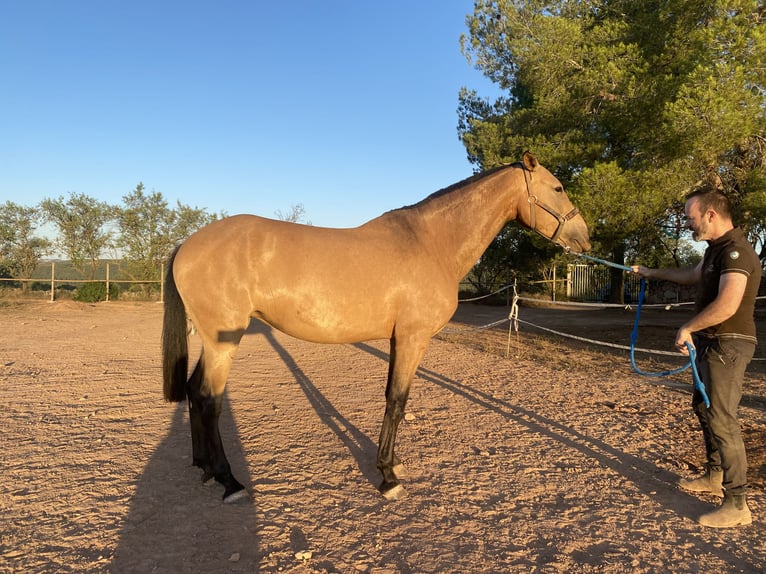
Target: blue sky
<point>347,107</point>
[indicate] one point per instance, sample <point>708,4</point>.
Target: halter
<point>533,201</point>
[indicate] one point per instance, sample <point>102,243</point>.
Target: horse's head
<point>550,212</point>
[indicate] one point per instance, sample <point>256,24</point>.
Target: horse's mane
<point>471,179</point>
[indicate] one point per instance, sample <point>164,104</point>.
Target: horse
<point>395,277</point>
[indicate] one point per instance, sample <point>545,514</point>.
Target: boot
<point>733,512</point>
<point>711,482</point>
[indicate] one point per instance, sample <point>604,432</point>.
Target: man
<point>723,334</point>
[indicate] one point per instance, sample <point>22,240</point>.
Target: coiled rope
<point>698,384</point>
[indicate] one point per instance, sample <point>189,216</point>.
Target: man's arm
<point>731,289</point>
<point>681,275</point>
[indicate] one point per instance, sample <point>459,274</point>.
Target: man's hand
<point>642,271</point>
<point>684,336</point>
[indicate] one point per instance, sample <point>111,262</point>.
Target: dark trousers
<point>721,363</point>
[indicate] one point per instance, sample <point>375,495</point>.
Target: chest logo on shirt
<point>734,255</point>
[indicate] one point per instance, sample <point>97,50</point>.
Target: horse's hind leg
<point>200,453</point>
<point>205,395</point>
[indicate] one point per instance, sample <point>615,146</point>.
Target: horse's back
<point>319,284</point>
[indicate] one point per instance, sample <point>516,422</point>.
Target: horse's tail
<point>175,345</point>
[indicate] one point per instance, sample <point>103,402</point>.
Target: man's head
<point>708,214</point>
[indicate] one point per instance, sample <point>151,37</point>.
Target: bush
<point>95,291</point>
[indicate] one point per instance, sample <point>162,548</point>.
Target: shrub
<point>95,291</point>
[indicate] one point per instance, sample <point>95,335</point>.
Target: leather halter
<point>534,201</point>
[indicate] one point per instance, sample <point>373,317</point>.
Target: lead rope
<point>698,384</point>
<point>692,353</point>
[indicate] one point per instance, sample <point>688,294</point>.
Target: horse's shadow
<point>361,447</point>
<point>653,482</point>
<point>175,523</point>
<point>645,475</point>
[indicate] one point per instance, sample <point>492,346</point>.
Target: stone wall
<point>667,292</point>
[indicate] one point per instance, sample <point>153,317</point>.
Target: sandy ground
<point>554,459</point>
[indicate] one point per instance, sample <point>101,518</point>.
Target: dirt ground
<point>554,458</point>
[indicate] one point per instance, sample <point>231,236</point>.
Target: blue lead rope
<point>697,380</point>
<point>692,353</point>
<point>605,262</point>
<point>634,339</point>
<point>634,336</point>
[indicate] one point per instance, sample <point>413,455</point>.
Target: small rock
<point>234,557</point>
<point>409,417</point>
<point>304,555</point>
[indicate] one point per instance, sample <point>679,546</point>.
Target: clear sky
<point>348,107</point>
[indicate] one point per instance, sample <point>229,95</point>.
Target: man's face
<point>697,220</point>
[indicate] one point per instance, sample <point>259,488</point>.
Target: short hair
<point>712,199</point>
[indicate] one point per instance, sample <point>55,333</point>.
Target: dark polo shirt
<point>731,253</point>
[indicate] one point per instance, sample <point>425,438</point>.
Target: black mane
<point>471,179</point>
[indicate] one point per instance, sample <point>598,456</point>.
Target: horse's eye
<point>559,188</point>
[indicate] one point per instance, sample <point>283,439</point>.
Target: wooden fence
<point>108,280</point>
<point>586,283</point>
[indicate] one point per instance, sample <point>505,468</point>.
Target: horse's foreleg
<point>404,361</point>
<point>204,414</point>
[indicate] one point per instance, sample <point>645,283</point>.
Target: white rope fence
<point>488,295</point>
<point>513,320</point>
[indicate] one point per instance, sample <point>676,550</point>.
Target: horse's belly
<point>329,324</point>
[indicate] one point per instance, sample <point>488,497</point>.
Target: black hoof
<point>234,492</point>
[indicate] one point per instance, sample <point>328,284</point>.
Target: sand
<point>553,459</point>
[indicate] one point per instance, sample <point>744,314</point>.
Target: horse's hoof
<point>207,478</point>
<point>395,492</point>
<point>399,471</point>
<point>235,496</point>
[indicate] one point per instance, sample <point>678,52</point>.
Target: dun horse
<point>395,277</point>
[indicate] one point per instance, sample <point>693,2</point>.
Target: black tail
<point>175,346</point>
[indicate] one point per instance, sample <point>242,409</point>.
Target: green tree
<point>144,222</point>
<point>188,220</point>
<point>630,102</point>
<point>149,229</point>
<point>82,223</point>
<point>20,248</point>
<point>297,214</point>
<point>747,171</point>
<point>507,258</point>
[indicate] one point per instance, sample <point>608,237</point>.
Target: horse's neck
<point>461,223</point>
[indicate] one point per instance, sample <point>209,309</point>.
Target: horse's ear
<point>530,161</point>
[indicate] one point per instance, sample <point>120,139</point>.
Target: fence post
<point>53,279</point>
<point>107,282</point>
<point>553,293</point>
